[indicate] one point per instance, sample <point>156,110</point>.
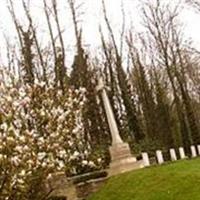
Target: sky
<point>90,20</point>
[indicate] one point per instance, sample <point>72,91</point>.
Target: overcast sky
<point>91,19</point>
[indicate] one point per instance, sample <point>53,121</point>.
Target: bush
<point>146,145</point>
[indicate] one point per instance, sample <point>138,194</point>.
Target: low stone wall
<point>75,188</point>
<point>61,187</point>
<point>84,189</point>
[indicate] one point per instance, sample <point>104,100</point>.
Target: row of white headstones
<point>160,159</point>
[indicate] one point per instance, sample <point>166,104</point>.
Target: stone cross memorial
<point>121,158</point>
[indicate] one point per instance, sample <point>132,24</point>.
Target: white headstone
<point>198,148</point>
<point>182,153</point>
<point>159,157</point>
<point>145,158</point>
<point>193,151</point>
<point>173,154</point>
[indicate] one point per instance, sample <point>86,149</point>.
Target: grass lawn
<point>177,181</point>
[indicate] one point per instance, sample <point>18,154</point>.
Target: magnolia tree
<point>40,133</point>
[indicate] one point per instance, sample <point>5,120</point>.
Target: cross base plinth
<point>122,159</point>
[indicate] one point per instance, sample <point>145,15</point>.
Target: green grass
<point>177,181</point>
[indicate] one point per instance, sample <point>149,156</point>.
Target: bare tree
<point>60,64</point>
<point>33,30</point>
<point>17,26</point>
<point>26,42</point>
<point>161,23</point>
<point>194,3</point>
<point>134,129</point>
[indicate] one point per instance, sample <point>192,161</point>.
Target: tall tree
<point>161,24</point>
<point>84,75</point>
<point>134,128</point>
<point>145,94</point>
<point>58,51</point>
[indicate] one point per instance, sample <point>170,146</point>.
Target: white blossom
<point>41,155</point>
<point>4,126</point>
<point>1,157</point>
<point>84,162</point>
<point>44,133</point>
